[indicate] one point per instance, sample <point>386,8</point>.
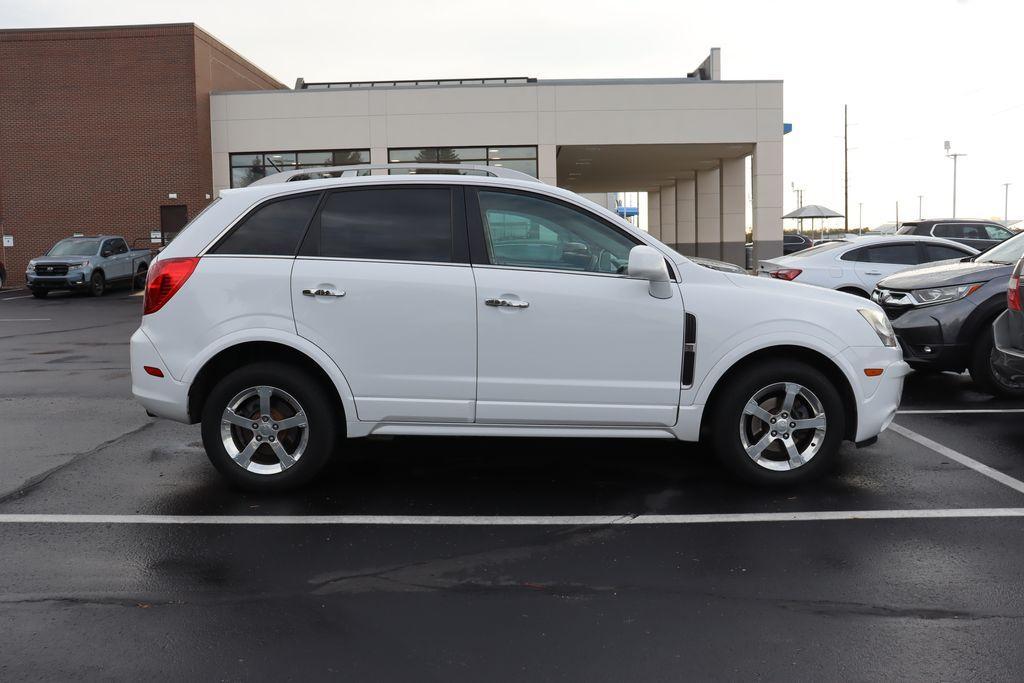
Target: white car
<point>292,312</point>
<point>856,265</point>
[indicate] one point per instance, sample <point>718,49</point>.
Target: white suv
<point>485,303</point>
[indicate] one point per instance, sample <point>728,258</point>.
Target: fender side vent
<point>689,350</point>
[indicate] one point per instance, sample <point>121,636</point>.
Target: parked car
<point>943,313</point>
<point>790,243</point>
<point>1008,331</point>
<point>292,312</point>
<point>89,264</point>
<point>981,235</point>
<point>856,265</point>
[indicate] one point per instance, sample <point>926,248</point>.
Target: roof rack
<point>353,170</point>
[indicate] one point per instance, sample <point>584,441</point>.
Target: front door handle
<point>322,292</point>
<point>511,303</point>
<point>872,272</point>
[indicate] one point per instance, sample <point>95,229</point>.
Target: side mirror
<point>647,263</point>
<point>105,253</point>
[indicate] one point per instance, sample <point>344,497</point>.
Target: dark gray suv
<point>943,314</point>
<point>982,235</point>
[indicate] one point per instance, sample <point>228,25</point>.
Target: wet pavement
<point>919,598</point>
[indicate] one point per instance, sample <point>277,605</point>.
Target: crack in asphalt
<point>32,483</point>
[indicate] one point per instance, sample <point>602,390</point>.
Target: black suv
<point>943,314</point>
<point>982,235</point>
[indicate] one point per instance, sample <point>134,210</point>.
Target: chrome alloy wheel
<point>782,426</point>
<point>264,430</point>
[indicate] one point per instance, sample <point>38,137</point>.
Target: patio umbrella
<point>813,211</point>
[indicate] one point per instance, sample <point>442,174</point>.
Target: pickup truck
<point>87,264</point>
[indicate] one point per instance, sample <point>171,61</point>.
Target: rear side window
<point>949,231</point>
<point>274,229</point>
<point>391,224</point>
<point>941,252</point>
<point>904,254</point>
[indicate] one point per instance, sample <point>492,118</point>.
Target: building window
<point>522,159</point>
<point>249,167</point>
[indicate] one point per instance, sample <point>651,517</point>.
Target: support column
<point>654,214</point>
<point>379,155</point>
<point>766,174</point>
<point>733,194</point>
<point>709,214</point>
<point>686,217</point>
<point>668,215</point>
<point>547,164</point>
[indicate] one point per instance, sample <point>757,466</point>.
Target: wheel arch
<point>815,359</point>
<point>248,352</point>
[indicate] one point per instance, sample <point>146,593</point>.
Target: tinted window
<point>273,229</point>
<point>792,239</point>
<point>941,252</point>
<point>890,253</point>
<point>119,246</point>
<point>394,224</point>
<point>532,232</point>
<point>949,230</point>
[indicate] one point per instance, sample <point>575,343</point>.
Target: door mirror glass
<point>646,263</point>
<point>105,253</point>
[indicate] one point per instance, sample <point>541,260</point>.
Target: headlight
<point>943,295</point>
<point>881,325</point>
<point>76,266</point>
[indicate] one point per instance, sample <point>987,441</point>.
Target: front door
<point>383,285</point>
<point>565,337</point>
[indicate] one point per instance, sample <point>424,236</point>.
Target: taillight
<point>785,273</point>
<point>1013,294</point>
<point>166,277</point>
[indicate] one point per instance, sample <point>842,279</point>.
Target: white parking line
<point>25,320</point>
<point>501,520</point>
<point>956,411</point>
<point>946,451</point>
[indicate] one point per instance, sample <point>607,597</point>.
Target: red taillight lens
<point>166,277</point>
<point>1013,294</point>
<point>785,273</point>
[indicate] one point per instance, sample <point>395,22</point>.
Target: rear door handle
<point>511,303</point>
<point>322,292</point>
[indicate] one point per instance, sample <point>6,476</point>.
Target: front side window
<point>942,252</point>
<point>273,229</point>
<point>994,232</point>
<point>532,232</point>
<point>392,224</point>
<point>949,231</point>
<point>119,246</point>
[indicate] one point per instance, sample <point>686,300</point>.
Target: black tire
<point>983,371</point>
<point>321,427</point>
<point>140,277</point>
<point>39,293</point>
<point>97,284</point>
<point>742,387</point>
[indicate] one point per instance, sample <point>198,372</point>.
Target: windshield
<point>817,249</point>
<point>1008,252</point>
<point>75,246</point>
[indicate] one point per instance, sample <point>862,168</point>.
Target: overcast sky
<point>914,72</point>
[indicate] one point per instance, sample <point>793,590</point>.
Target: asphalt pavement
<point>125,556</point>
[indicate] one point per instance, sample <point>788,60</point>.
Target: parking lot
<point>473,558</point>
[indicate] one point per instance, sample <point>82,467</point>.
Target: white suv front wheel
<point>779,422</point>
<point>268,427</point>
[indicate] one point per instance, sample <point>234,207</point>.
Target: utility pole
<point>954,157</point>
<point>920,197</point>
<point>846,173</point>
<point>860,218</point>
<point>1006,201</point>
<point>897,215</point>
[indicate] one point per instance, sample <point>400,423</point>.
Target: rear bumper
<point>160,396</point>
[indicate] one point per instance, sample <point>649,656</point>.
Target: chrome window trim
<point>562,271</point>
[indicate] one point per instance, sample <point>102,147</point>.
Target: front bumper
<point>929,335</point>
<point>1008,331</point>
<point>878,398</point>
<point>160,396</point>
<point>73,280</point>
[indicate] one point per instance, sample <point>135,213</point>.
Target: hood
<point>945,274</point>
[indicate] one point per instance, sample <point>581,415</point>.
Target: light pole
<point>860,218</point>
<point>920,198</point>
<point>1006,201</point>
<point>954,157</point>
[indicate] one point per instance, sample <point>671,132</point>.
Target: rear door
<point>383,284</point>
<point>872,263</point>
<point>566,337</point>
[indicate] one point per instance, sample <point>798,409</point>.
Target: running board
<point>416,429</point>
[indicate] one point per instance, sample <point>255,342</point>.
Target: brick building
<point>107,130</point>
